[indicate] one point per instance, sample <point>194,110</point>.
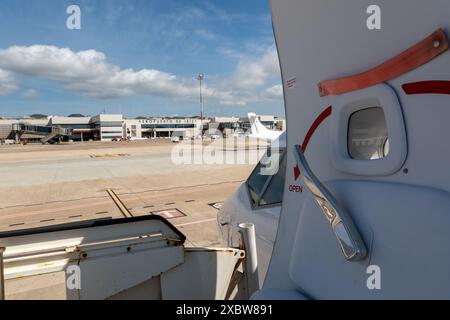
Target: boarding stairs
<point>140,258</point>
<point>48,132</point>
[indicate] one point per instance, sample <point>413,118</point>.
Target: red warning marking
<point>295,188</point>
<point>321,118</point>
<point>297,172</point>
<point>427,87</point>
<point>325,114</point>
<point>169,214</point>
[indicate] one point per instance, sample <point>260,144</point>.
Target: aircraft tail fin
<point>257,129</point>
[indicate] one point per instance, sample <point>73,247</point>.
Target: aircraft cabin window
<point>256,183</point>
<point>274,192</point>
<point>267,189</point>
<point>368,137</point>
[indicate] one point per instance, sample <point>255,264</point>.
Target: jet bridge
<point>48,133</point>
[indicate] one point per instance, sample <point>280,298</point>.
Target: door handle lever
<point>344,229</point>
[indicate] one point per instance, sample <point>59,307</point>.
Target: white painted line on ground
<point>195,222</point>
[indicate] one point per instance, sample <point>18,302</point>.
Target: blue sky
<point>138,57</point>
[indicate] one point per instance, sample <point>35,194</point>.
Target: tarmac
<point>44,185</point>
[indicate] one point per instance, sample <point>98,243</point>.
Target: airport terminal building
<point>109,127</point>
<point>103,127</point>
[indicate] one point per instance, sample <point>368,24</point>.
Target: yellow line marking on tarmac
<point>126,213</point>
<point>113,155</point>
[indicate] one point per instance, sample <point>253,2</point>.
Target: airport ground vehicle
<point>178,136</point>
<point>9,141</point>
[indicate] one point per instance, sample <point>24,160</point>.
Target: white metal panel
<point>205,275</point>
<point>105,276</point>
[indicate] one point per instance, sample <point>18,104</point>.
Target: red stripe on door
<point>427,87</point>
<point>321,118</point>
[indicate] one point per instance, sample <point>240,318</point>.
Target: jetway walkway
<point>47,132</point>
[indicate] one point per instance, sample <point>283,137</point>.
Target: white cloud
<point>7,83</point>
<point>253,72</point>
<point>55,63</point>
<point>275,92</point>
<point>31,94</point>
<point>89,73</point>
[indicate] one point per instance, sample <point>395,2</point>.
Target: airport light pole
<point>200,78</point>
<point>2,275</point>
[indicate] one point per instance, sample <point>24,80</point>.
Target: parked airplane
<point>258,201</point>
<point>259,131</point>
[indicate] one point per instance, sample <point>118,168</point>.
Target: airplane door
<point>367,117</point>
<point>402,226</point>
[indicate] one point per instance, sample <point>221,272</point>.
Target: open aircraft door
<point>367,115</point>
